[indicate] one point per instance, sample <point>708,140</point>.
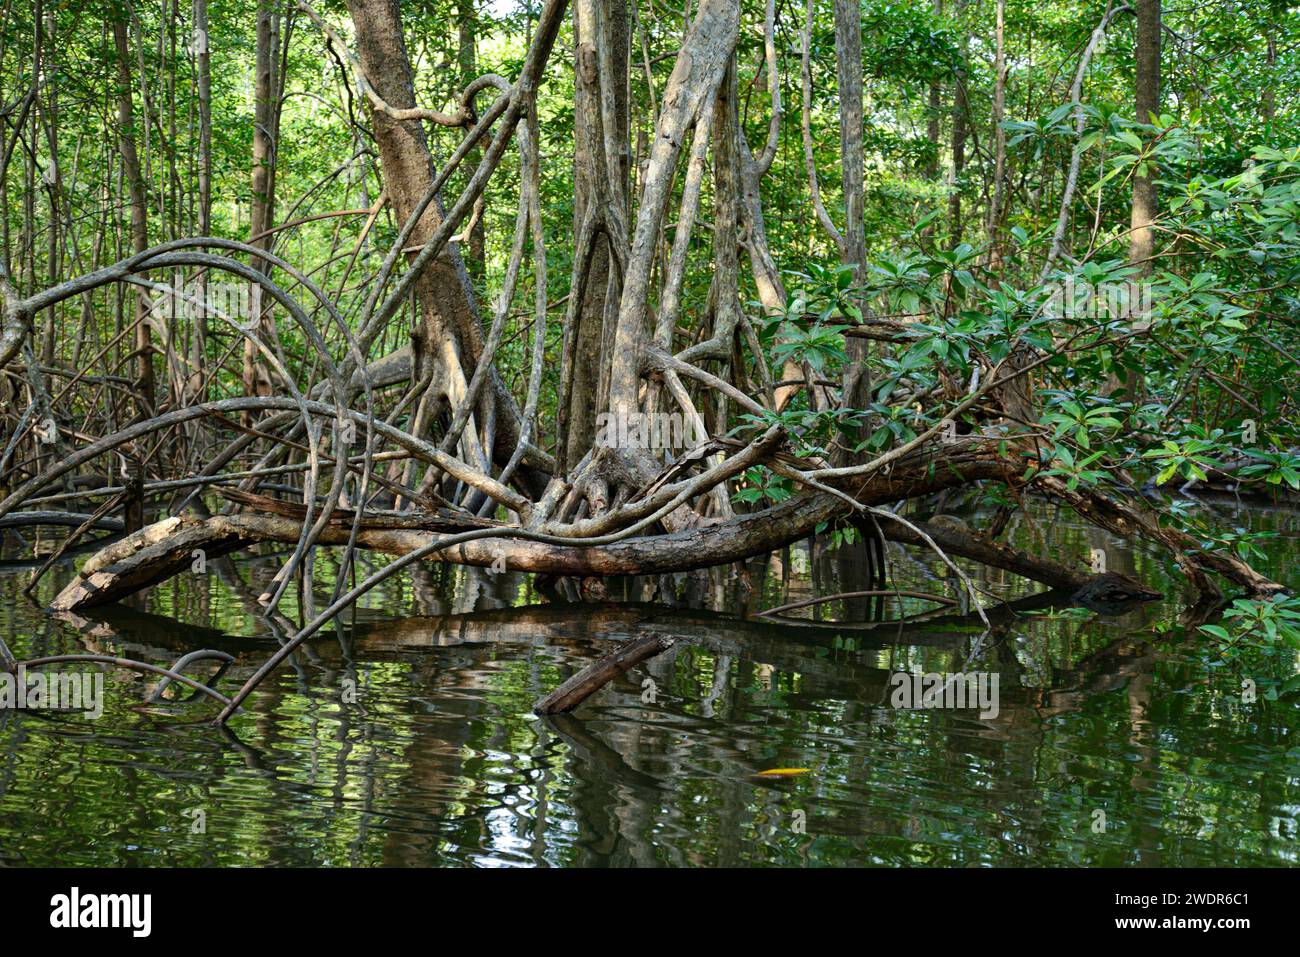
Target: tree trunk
<point>934,117</point>
<point>1147,107</point>
<point>701,64</point>
<point>598,177</point>
<point>848,65</point>
<point>448,338</point>
<point>999,134</point>
<point>203,63</point>
<point>257,380</point>
<point>960,117</point>
<point>139,215</point>
<point>466,59</point>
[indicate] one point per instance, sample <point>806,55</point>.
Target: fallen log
<point>153,554</point>
<point>157,552</point>
<point>601,672</point>
<point>166,548</point>
<point>161,550</point>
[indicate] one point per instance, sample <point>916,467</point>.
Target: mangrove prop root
<point>456,433</point>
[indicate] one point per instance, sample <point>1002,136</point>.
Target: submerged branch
<point>601,672</point>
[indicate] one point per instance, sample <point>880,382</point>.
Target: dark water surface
<point>440,761</point>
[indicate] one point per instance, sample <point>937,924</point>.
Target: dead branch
<point>601,672</point>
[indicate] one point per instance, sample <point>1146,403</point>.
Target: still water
<point>404,735</point>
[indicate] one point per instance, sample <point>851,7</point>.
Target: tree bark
<point>598,178</point>
<point>139,215</point>
<point>960,118</point>
<point>701,64</point>
<point>601,672</point>
<point>999,134</point>
<point>466,60</point>
<point>203,64</point>
<point>257,379</point>
<point>856,392</point>
<point>934,108</point>
<point>1146,109</point>
<point>1142,236</point>
<point>448,339</point>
